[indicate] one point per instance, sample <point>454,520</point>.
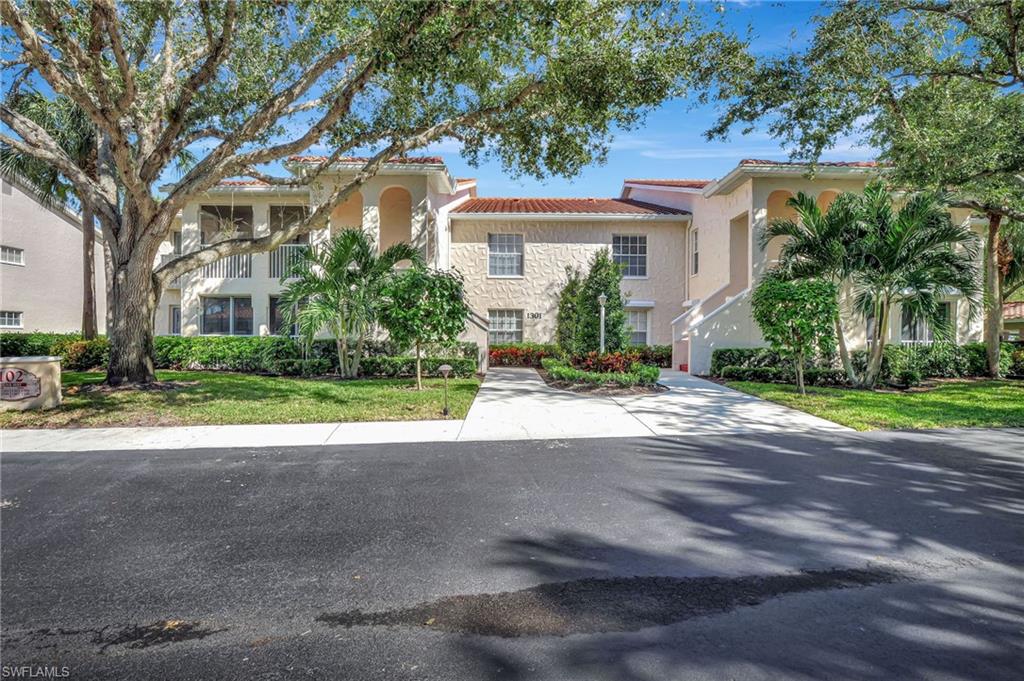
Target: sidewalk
<point>512,404</point>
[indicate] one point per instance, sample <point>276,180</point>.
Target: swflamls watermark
<point>28,671</point>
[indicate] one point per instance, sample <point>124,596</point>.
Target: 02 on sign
<point>18,384</point>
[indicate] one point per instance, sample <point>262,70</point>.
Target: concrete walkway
<point>512,404</point>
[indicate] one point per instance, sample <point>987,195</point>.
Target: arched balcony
<point>347,215</point>
<point>395,206</point>
<point>776,210</point>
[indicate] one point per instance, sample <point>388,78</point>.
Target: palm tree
<point>74,132</point>
<point>911,257</point>
<point>338,286</point>
<point>821,245</point>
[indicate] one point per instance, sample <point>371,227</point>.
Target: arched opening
<point>395,217</point>
<point>777,209</point>
<point>348,215</point>
<point>825,199</point>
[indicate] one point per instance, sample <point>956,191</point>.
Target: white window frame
<point>517,316</point>
<point>522,255</point>
<point>19,260</point>
<point>921,331</point>
<point>18,320</point>
<point>646,311</point>
<point>616,256</point>
<point>231,315</point>
<point>694,252</point>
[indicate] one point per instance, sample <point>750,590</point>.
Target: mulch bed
<point>603,390</point>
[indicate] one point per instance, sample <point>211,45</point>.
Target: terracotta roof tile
<point>688,184</point>
<point>412,160</point>
<point>572,206</point>
<point>1013,310</point>
<point>827,164</point>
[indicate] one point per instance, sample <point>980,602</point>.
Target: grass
<point>944,404</point>
<point>223,398</point>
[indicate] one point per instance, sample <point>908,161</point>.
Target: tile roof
<point>1013,310</point>
<point>827,164</point>
<point>571,206</point>
<point>687,184</point>
<point>412,160</point>
<point>465,180</point>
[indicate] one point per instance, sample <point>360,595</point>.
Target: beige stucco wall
<point>415,209</point>
<point>550,246</point>
<point>47,289</point>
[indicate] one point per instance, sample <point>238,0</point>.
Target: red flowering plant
<point>519,354</point>
<point>610,362</point>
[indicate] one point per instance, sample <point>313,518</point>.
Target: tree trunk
<point>419,372</point>
<point>133,302</point>
<point>878,349</point>
<point>993,296</point>
<point>844,352</point>
<point>339,344</point>
<point>358,356</point>
<point>88,273</point>
<point>800,373</point>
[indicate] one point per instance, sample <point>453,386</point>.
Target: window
<point>176,242</point>
<point>277,326</point>
<point>174,322</point>
<point>10,320</point>
<point>284,217</point>
<point>230,316</point>
<point>914,330</point>
<point>636,320</point>
<point>630,251</point>
<point>217,223</point>
<point>505,255</point>
<point>694,253</point>
<point>9,255</point>
<point>506,326</point>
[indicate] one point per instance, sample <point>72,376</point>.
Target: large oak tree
<point>539,85</point>
<point>936,86</point>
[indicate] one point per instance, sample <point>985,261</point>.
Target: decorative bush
<point>300,367</point>
<point>636,374</point>
<point>1017,363</point>
<point>394,367</point>
<point>33,344</point>
<point>743,358</point>
<point>82,355</point>
<point>656,355</point>
<point>610,362</point>
<point>757,374</point>
<point>520,354</point>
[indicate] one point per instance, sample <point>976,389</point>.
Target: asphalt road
<point>883,556</point>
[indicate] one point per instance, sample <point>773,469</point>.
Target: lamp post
<point>602,299</point>
<point>445,369</point>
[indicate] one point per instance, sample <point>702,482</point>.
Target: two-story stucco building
<point>689,249</point>
<point>41,273</point>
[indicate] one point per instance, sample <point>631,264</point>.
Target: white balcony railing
<point>284,258</point>
<point>231,267</point>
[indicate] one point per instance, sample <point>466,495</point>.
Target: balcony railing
<point>230,267</point>
<point>284,258</point>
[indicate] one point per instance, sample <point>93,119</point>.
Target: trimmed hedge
<point>246,354</point>
<point>783,375</point>
<point>638,374</point>
<point>520,354</point>
<point>656,355</point>
<point>900,363</point>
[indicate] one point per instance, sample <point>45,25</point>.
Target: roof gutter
<point>742,172</point>
<point>574,217</point>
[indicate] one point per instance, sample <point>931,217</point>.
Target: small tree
<point>605,276</point>
<point>567,331</point>
<point>424,307</point>
<point>796,317</point>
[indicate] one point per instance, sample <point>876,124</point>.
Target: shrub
<point>743,357</point>
<point>35,343</point>
<point>520,354</point>
<point>757,374</point>
<point>82,355</point>
<point>909,378</point>
<point>610,362</point>
<point>394,367</point>
<point>637,374</point>
<point>825,377</point>
<point>1017,363</point>
<point>299,367</point>
<point>655,355</point>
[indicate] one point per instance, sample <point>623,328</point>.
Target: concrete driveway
<point>517,404</point>
<point>799,557</point>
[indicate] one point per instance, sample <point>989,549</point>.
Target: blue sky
<point>671,143</point>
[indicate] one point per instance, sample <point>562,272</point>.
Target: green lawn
<point>220,398</point>
<point>948,404</point>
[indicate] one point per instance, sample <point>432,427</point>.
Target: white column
<point>261,283</point>
<point>190,241</point>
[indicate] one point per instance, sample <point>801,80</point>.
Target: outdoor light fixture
<point>602,299</point>
<point>445,369</point>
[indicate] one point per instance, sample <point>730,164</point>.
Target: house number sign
<point>534,315</point>
<point>18,384</point>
